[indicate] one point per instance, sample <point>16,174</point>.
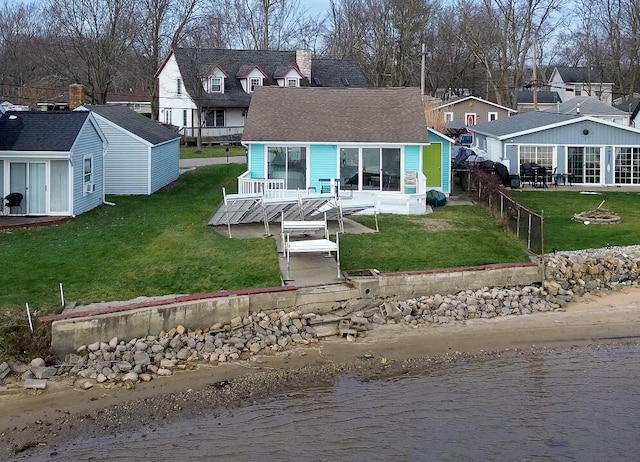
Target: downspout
<point>104,154</point>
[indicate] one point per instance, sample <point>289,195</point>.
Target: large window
<point>540,155</point>
<point>370,169</point>
<point>213,118</point>
<point>627,166</point>
<point>583,163</point>
<point>288,164</point>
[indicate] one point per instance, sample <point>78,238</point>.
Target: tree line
<point>487,47</point>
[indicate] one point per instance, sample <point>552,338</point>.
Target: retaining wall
<point>71,330</point>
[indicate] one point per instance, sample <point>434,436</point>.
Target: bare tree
<point>22,74</point>
<point>500,34</point>
<point>161,25</point>
<point>269,24</point>
<point>384,36</point>
<point>90,39</point>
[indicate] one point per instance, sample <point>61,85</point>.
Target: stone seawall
<point>69,331</point>
<point>103,348</point>
<point>591,270</point>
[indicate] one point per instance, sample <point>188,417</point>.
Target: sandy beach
<point>43,419</point>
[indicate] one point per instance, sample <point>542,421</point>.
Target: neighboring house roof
<point>521,123</point>
<point>544,97</point>
<point>474,98</point>
<point>358,115</point>
<point>40,131</point>
<point>536,121</point>
<point>588,106</point>
<point>582,74</point>
<point>128,97</point>
<point>130,120</point>
<point>324,72</point>
<point>630,106</point>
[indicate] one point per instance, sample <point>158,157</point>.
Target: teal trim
<point>412,158</point>
<point>323,163</point>
<point>257,160</point>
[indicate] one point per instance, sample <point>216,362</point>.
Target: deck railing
<point>268,188</point>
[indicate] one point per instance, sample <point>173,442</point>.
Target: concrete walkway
<point>190,164</point>
<point>306,270</point>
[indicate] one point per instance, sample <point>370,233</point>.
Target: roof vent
<point>345,81</point>
<point>317,81</point>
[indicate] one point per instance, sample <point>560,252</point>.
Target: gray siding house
<point>584,150</point>
<point>143,156</point>
<point>54,159</point>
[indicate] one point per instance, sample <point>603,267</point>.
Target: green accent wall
<point>432,164</point>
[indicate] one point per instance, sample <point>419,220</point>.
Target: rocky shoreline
<point>125,362</point>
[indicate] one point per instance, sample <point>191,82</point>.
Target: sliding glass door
<point>370,169</point>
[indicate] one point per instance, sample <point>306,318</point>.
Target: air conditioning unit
<point>89,188</point>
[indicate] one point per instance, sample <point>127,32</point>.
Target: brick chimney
<point>303,60</point>
<point>76,95</point>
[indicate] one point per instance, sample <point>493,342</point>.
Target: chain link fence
<point>526,225</point>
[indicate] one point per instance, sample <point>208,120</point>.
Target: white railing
<point>248,185</point>
<point>422,183</point>
<point>208,132</point>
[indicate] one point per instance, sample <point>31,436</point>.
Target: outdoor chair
<point>14,201</point>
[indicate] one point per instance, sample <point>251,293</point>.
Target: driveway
<point>190,164</point>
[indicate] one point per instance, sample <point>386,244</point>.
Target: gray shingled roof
<point>40,131</point>
<point>521,122</point>
<point>359,115</point>
<point>583,74</point>
<point>327,71</point>
<point>589,106</point>
<point>139,125</point>
<point>544,97</point>
<point>631,105</point>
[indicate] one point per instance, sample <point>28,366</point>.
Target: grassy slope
<point>561,232</point>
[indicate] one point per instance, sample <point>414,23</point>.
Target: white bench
<point>308,245</point>
<point>288,227</point>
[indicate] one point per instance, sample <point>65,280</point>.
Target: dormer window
<point>254,82</point>
<point>215,85</point>
<point>291,82</point>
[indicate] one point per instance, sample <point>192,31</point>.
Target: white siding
<point>169,100</point>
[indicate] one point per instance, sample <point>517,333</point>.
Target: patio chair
<point>14,201</point>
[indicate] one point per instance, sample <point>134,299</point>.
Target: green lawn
<point>561,232</point>
<point>191,152</point>
<point>160,244</point>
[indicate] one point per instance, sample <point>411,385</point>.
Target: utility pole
<point>535,76</point>
<point>422,71</point>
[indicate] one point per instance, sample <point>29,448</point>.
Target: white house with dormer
<point>223,82</point>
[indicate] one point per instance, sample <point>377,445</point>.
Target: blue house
<point>583,149</point>
<point>360,142</point>
<point>436,161</point>
<point>54,160</point>
<point>142,156</point>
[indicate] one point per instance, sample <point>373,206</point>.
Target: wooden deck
<point>9,223</point>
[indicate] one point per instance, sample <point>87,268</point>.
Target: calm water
<point>581,405</point>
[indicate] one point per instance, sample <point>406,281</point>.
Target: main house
<point>366,142</point>
<point>54,160</point>
<point>214,87</point>
<point>582,149</point>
